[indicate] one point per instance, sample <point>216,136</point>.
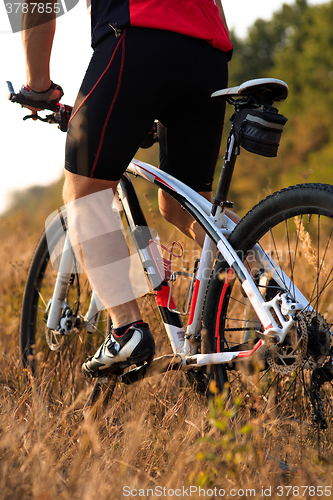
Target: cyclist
<point>152,60</point>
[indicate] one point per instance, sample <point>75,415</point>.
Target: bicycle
<point>259,314</point>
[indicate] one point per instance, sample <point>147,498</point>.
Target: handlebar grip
<point>11,90</point>
<point>52,106</point>
<point>21,99</point>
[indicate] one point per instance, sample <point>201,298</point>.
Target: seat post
<point>221,196</point>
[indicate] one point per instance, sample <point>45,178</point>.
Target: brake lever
<point>36,116</point>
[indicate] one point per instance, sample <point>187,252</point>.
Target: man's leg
<point>98,240</point>
<point>76,187</point>
<point>174,213</point>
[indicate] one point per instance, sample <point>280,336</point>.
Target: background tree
<point>296,46</point>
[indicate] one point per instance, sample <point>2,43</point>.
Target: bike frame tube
<point>280,277</point>
<point>223,357</point>
<point>92,315</point>
<point>200,209</point>
<point>202,280</point>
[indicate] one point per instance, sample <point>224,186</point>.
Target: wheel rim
<point>291,403</point>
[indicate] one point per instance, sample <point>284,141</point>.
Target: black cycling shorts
<point>141,76</point>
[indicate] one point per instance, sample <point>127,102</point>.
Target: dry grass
<point>153,435</point>
<point>157,438</point>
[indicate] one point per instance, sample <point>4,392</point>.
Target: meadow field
<point>160,438</point>
<point>155,439</point>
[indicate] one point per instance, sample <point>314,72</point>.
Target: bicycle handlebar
<point>61,112</point>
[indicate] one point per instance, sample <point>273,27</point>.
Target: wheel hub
<point>286,357</point>
<point>307,344</point>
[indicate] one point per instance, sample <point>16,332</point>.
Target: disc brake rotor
<point>54,339</point>
<point>288,356</point>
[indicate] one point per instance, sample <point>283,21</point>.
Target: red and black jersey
<point>193,18</point>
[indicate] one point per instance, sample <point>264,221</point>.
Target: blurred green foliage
<point>295,46</point>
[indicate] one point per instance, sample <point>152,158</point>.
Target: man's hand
<point>51,95</point>
<point>37,37</point>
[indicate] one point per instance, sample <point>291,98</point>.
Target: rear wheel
<point>287,388</point>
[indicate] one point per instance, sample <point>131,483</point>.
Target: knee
<point>66,190</point>
<point>73,187</point>
<point>77,186</point>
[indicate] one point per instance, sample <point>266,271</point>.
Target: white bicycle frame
<point>218,228</point>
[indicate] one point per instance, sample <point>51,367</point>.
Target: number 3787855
<point>32,7</point>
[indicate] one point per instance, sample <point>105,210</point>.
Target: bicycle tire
<point>288,387</point>
<point>53,360</point>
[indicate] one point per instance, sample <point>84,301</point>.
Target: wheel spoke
<point>277,386</point>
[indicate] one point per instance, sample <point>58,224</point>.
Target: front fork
<point>59,294</point>
<point>59,316</point>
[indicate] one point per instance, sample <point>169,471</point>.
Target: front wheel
<point>54,357</point>
<point>287,388</point>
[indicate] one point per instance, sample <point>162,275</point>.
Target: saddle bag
<point>259,130</point>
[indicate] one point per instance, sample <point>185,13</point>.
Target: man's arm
<point>38,28</point>
<point>221,11</point>
<point>37,45</point>
<point>88,2</point>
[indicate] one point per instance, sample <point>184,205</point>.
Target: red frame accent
<point>154,175</point>
<point>162,297</point>
<point>219,310</point>
<point>194,301</point>
<point>248,354</point>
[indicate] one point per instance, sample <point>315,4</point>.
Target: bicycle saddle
<point>262,88</point>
